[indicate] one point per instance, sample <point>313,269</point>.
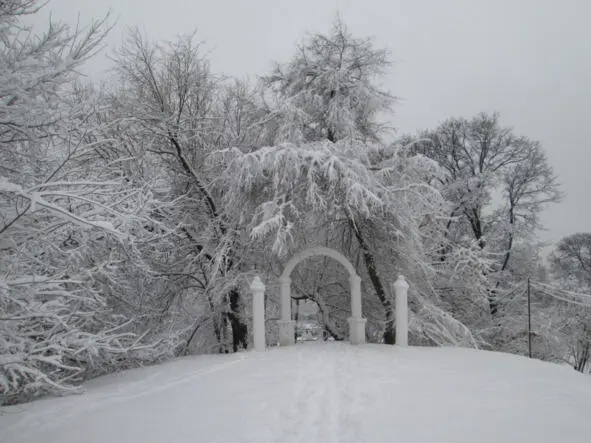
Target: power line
<point>563,295</point>
<point>559,289</point>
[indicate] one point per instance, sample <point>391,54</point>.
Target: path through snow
<point>319,393</point>
<point>323,398</point>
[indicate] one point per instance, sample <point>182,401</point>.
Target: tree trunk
<point>239,327</point>
<point>493,303</point>
<point>234,316</point>
<point>583,359</point>
<point>297,319</point>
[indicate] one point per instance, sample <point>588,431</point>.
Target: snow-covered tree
<point>326,177</point>
<point>177,112</point>
<point>498,183</point>
<point>34,69</point>
<point>65,216</point>
<point>571,259</point>
<point>333,82</point>
<point>571,265</point>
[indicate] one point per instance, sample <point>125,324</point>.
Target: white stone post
<point>356,321</point>
<point>286,324</point>
<point>401,289</point>
<point>355,282</point>
<point>258,313</point>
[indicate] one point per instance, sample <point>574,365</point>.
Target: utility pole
<point>529,317</point>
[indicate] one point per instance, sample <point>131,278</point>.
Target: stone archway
<point>356,321</point>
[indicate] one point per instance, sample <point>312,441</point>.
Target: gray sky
<point>528,59</point>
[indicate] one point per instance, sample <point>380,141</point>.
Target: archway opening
<point>356,321</point>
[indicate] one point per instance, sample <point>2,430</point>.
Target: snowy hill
<point>317,393</point>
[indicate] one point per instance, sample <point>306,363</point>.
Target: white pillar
<point>258,313</point>
<point>285,298</point>
<point>355,282</point>
<point>286,324</point>
<point>356,321</point>
<point>401,289</point>
<point>356,330</point>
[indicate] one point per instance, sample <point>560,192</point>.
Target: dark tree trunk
<point>583,358</point>
<point>492,301</point>
<point>389,331</point>
<point>239,327</point>
<point>476,224</point>
<point>445,248</point>
<point>297,319</point>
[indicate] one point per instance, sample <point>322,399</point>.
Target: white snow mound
<point>317,393</point>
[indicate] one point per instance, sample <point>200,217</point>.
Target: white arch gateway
<point>356,321</point>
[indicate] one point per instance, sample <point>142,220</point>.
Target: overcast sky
<point>528,59</point>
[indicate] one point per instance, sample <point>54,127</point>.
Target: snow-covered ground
<point>317,393</point>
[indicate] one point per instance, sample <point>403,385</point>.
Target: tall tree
<point>497,182</point>
<point>327,160</point>
<point>331,81</point>
<point>178,111</point>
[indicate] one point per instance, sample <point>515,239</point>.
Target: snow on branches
<point>283,182</point>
